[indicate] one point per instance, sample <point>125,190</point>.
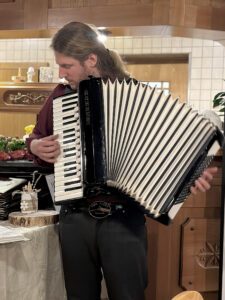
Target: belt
<point>102,209</point>
<point>96,209</point>
<point>99,207</point>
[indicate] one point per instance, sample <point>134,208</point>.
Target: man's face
<point>72,70</point>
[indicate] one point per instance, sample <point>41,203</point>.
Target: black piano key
<point>68,117</point>
<point>69,98</point>
<point>67,104</point>
<point>68,163</point>
<point>70,174</point>
<point>67,109</point>
<point>68,130</point>
<point>69,122</point>
<point>73,189</point>
<point>69,149</point>
<point>68,155</point>
<point>70,169</point>
<point>72,182</point>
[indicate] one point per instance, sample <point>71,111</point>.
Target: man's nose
<point>62,73</point>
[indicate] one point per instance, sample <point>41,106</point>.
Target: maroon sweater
<point>44,125</point>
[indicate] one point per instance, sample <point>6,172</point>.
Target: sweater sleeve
<point>44,125</point>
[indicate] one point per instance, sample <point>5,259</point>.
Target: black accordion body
<point>129,138</point>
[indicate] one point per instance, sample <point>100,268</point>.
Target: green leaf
<point>219,95</point>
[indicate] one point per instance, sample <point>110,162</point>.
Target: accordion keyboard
<point>68,183</point>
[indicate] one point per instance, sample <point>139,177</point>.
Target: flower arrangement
<point>13,149</point>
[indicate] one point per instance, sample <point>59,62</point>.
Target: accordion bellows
<point>134,139</point>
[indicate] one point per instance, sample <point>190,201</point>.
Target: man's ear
<point>92,60</point>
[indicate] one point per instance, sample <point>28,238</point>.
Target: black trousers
<point>116,245</point>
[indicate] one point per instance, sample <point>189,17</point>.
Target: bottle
<point>30,74</point>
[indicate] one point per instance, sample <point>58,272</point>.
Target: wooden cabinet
<point>185,254</point>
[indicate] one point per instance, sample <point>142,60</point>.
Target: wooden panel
<point>84,3</point>
<point>176,74</point>
<point>7,1</point>
<point>218,20</point>
<point>120,15</point>
<point>35,14</point>
<point>11,15</point>
<point>177,12</point>
<point>13,123</point>
<point>204,17</point>
<point>161,12</point>
<point>200,254</point>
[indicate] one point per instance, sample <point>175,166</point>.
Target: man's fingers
<point>50,137</point>
<point>202,184</point>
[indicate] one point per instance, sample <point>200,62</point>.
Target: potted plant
<point>219,100</point>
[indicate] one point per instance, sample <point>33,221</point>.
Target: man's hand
<point>47,148</point>
<point>202,184</point>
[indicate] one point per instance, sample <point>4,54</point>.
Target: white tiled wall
<point>206,59</point>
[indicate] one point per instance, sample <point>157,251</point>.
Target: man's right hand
<point>47,148</point>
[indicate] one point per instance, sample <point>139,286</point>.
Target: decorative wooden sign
<point>28,97</point>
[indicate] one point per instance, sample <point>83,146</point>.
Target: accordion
<point>129,138</point>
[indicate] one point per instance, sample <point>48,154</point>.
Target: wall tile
<point>217,84</point>
<point>206,73</point>
<point>217,62</point>
<point>218,51</point>
<point>194,95</point>
<point>195,62</point>
<point>205,96</point>
<point>128,43</point>
<point>207,52</point>
<point>206,84</point>
<point>207,62</point>
<point>156,42</point>
<point>166,42</point>
<point>196,73</point>
<point>195,84</point>
<point>217,73</point>
<point>197,43</point>
<point>138,43</point>
<point>197,52</point>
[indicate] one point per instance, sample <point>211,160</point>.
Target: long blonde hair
<point>79,40</point>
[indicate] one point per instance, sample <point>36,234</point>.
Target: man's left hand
<point>202,184</point>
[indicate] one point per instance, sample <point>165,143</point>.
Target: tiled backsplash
<point>206,59</point>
